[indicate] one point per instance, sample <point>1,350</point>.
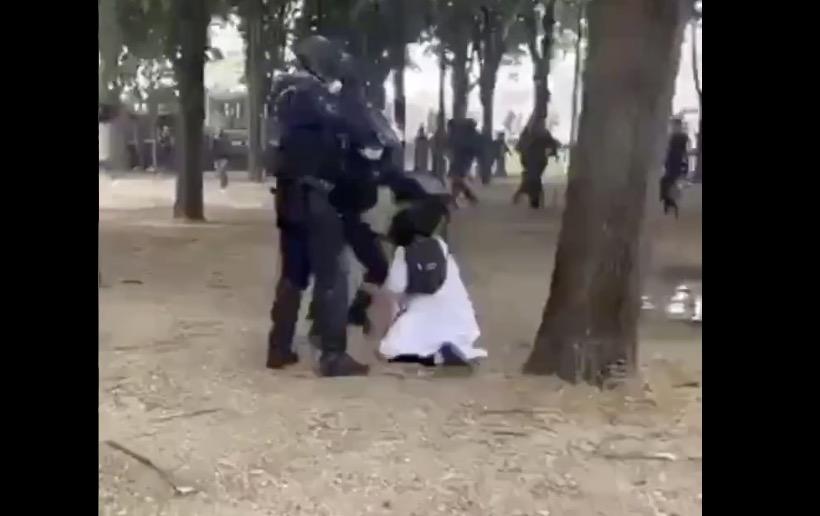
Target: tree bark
<point>399,52</point>
<point>541,54</point>
<point>439,162</point>
<point>487,95</point>
<point>110,47</point>
<point>374,87</point>
<point>699,143</point>
<point>576,78</point>
<point>399,102</point>
<point>153,110</point>
<point>109,89</point>
<point>699,90</point>
<point>460,81</point>
<point>399,113</point>
<point>253,73</point>
<point>193,19</point>
<point>589,327</point>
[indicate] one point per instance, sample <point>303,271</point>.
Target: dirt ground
<point>183,322</point>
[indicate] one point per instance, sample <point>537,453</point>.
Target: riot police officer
<point>356,191</point>
<point>311,134</point>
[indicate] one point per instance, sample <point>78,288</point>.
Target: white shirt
<point>429,321</point>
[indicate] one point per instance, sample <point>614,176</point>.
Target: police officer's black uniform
<point>311,136</point>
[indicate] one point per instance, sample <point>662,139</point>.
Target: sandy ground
<point>183,321</point>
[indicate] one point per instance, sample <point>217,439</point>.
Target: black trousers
<point>668,193</point>
<point>310,246</point>
<point>531,185</point>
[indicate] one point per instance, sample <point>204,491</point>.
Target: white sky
<point>513,91</point>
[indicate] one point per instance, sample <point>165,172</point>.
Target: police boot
<point>334,360</point>
<point>284,315</point>
<point>339,363</point>
<point>330,310</point>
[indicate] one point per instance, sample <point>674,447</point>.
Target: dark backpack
<point>426,266</point>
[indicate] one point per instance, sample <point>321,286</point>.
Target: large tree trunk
<point>589,327</point>
<point>254,73</point>
<point>460,81</point>
<point>193,19</point>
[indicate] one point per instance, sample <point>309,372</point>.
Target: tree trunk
<point>699,143</point>
<point>374,87</point>
<point>541,56</point>
<point>193,19</point>
<point>487,95</point>
<point>399,52</point>
<point>542,94</point>
<point>699,89</point>
<point>576,78</point>
<point>589,326</point>
<point>460,82</point>
<point>110,40</point>
<point>439,162</point>
<point>110,47</point>
<point>399,101</point>
<point>153,110</point>
<point>253,74</point>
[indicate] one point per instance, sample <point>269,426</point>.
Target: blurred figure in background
<point>536,145</point>
<point>421,158</point>
<point>676,166</point>
<point>220,154</point>
<point>166,148</point>
<point>464,146</point>
<point>499,154</point>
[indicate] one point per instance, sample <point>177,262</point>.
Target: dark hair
<point>420,219</point>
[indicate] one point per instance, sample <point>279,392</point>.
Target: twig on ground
<point>187,414</point>
<point>526,412</point>
<point>180,490</point>
<point>693,384</point>
<point>511,433</point>
<point>669,457</point>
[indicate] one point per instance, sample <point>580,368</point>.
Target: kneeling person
<point>434,321</point>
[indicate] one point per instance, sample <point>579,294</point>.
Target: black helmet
<point>320,56</point>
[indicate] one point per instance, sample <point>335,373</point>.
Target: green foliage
<point>276,18</point>
<point>143,34</point>
<point>151,28</point>
<point>494,32</point>
<point>377,31</point>
<point>566,12</point>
